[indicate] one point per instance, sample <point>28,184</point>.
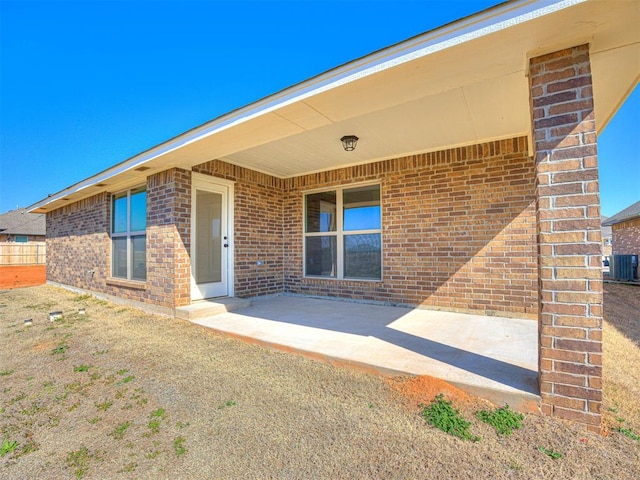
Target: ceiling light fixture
<point>349,142</point>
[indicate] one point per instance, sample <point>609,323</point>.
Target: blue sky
<point>87,84</point>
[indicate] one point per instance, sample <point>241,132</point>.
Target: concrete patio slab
<point>493,357</point>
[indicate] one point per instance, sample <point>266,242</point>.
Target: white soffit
<point>461,84</point>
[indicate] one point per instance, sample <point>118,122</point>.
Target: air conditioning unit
<point>625,267</point>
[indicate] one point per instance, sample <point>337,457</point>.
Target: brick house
<point>22,227</point>
<point>625,230</point>
<point>473,187</point>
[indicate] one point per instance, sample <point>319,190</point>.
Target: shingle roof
<point>19,222</point>
<point>629,213</point>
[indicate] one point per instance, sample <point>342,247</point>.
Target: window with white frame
<point>343,233</point>
<point>129,234</point>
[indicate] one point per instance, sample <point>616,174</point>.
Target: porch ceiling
<point>462,84</point>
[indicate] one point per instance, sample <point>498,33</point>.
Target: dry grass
<point>622,356</point>
<point>119,393</point>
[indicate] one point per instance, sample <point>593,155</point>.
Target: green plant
<point>126,379</point>
<point>34,409</point>
<point>130,467</point>
<point>81,368</point>
<point>159,413</point>
<point>77,387</point>
<point>550,453</point>
<point>104,405</point>
<point>628,432</point>
<point>8,447</point>
<point>79,461</point>
<point>505,421</point>
<point>29,447</point>
<point>4,373</point>
<point>178,446</point>
<point>18,398</point>
<point>154,425</point>
<point>229,403</point>
<point>441,414</point>
<point>60,349</point>
<point>120,430</point>
<point>156,416</point>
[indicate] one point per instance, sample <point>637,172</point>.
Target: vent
<point>100,185</point>
<point>141,169</point>
<point>625,267</point>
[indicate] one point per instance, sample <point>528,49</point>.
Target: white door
<point>211,257</point>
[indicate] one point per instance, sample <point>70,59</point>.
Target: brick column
<point>169,238</point>
<point>569,236</point>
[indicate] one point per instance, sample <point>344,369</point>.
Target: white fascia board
<point>465,30</point>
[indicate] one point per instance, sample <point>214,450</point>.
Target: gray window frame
<point>128,234</point>
<point>339,232</point>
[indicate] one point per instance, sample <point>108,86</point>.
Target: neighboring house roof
<point>629,213</point>
<point>462,84</point>
<point>20,222</point>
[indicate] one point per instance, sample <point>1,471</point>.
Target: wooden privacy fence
<point>34,253</point>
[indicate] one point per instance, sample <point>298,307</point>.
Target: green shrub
<point>441,414</point>
<point>505,421</point>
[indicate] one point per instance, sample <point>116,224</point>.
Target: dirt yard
<point>119,393</point>
<point>22,276</point>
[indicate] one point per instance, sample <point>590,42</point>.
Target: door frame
<point>205,182</point>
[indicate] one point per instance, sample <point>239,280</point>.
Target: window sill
<point>351,280</point>
<point>121,282</point>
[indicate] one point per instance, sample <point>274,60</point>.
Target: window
<point>343,233</point>
<point>21,238</point>
<point>129,234</point>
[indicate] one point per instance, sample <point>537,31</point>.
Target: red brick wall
<point>458,233</point>
<point>569,236</point>
<point>168,238</point>
<point>78,243</point>
<point>257,230</point>
<point>79,246</point>
<point>626,237</point>
<point>458,230</point>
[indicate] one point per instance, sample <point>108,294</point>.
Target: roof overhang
<point>462,84</point>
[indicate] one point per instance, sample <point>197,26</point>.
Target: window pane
<point>208,237</point>
<point>119,257</point>
<point>139,260</point>
<point>138,209</point>
<point>321,256</point>
<point>321,212</point>
<point>119,213</point>
<point>362,256</point>
<point>362,208</point>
